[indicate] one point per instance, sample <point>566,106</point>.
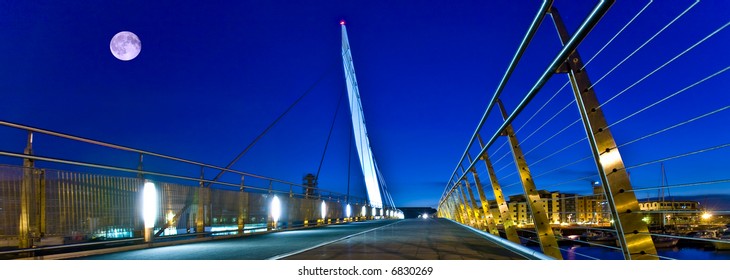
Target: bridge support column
<point>481,223</point>
<point>633,233</point>
<point>504,212</point>
<point>548,243</point>
<point>456,208</point>
<point>491,225</point>
<point>465,205</point>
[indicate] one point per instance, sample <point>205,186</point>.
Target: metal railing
<point>46,210</point>
<point>531,198</point>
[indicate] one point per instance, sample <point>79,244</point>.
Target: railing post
<point>465,205</point>
<point>545,235</point>
<point>140,166</point>
<point>269,221</point>
<point>26,192</point>
<point>491,225</point>
<point>242,207</point>
<point>458,206</point>
<point>504,212</point>
<point>202,194</point>
<point>41,196</point>
<point>290,206</point>
<point>477,218</point>
<point>633,233</point>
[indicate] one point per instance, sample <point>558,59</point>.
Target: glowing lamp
<point>342,22</point>
<point>149,204</point>
<point>364,211</point>
<point>324,210</point>
<point>275,209</point>
<point>348,211</point>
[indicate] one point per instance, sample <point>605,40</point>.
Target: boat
<point>664,241</point>
<point>701,238</point>
<point>599,238</point>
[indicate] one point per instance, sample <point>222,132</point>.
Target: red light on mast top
<point>342,22</point>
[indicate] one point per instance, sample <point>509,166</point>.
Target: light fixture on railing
<point>324,211</point>
<point>149,209</point>
<point>275,210</point>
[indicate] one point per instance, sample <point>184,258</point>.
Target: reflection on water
<point>578,252</point>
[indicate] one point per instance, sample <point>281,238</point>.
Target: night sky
<point>210,77</point>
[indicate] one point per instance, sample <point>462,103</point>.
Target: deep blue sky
<point>211,77</point>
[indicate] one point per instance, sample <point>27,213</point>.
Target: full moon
<point>125,45</point>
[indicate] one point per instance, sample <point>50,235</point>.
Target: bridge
<point>629,163</point>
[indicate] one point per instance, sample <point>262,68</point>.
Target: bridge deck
<point>413,239</point>
<point>432,239</point>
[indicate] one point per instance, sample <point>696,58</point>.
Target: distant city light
<point>706,215</point>
<point>425,216</point>
<point>149,204</point>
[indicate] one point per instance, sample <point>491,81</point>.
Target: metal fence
<point>43,209</point>
<point>70,207</point>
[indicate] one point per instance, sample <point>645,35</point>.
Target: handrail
<point>134,150</point>
<point>586,26</point>
<point>542,12</point>
<point>124,148</point>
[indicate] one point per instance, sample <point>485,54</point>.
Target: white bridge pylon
<point>358,126</point>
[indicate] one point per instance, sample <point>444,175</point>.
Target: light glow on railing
<point>149,204</point>
<point>324,210</point>
<point>275,209</point>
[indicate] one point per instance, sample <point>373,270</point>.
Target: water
<point>575,252</point>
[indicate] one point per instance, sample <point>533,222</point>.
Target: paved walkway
<point>413,239</point>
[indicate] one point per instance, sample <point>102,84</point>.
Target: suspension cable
<point>670,96</point>
<point>662,66</point>
<point>329,135</point>
<point>681,155</point>
<point>693,184</point>
<point>619,32</point>
<point>645,43</point>
<point>673,126</point>
<point>261,135</point>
